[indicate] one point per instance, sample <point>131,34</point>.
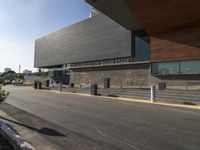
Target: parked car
<point>7,82</point>
<point>18,81</point>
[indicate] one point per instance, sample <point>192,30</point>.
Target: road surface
<point>126,125</point>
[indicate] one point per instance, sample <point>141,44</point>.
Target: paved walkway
<point>172,96</point>
<point>29,131</point>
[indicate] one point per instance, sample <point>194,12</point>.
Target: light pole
<point>19,68</point>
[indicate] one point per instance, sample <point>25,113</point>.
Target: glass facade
<point>57,72</point>
<point>94,12</point>
<point>191,67</point>
<point>142,48</point>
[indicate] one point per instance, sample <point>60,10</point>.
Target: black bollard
<point>35,84</point>
<point>94,88</point>
<point>60,86</point>
<point>39,85</point>
<point>47,83</point>
<point>106,83</point>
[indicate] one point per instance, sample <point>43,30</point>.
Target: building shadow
<point>44,130</point>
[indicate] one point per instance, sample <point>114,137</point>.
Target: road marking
<point>99,131</point>
<point>115,139</point>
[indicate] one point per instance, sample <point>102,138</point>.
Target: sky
<point>23,21</point>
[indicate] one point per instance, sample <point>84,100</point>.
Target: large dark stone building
<point>132,43</point>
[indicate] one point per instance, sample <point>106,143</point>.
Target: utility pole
<point>19,68</point>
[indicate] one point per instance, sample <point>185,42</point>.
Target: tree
<point>1,80</point>
<point>3,95</point>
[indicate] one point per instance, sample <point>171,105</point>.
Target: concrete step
<point>169,95</point>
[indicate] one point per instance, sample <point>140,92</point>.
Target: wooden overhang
<point>155,16</point>
<point>118,11</point>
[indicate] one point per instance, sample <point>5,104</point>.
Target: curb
<point>133,100</point>
<point>14,139</point>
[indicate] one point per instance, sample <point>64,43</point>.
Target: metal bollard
<point>60,86</point>
<point>39,85</point>
<point>72,85</point>
<point>94,89</point>
<point>153,94</point>
<point>106,83</point>
<point>47,83</point>
<point>35,84</point>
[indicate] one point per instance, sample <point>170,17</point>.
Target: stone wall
<point>129,76</point>
<point>124,75</point>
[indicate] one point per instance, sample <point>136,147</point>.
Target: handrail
<point>98,81</point>
<point>191,83</point>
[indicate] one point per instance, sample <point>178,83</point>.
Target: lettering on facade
<point>102,62</point>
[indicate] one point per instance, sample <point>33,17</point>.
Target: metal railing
<point>98,81</point>
<point>191,84</point>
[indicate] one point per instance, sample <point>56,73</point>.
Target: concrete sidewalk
<point>33,138</point>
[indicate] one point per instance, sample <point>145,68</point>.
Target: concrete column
<point>153,94</point>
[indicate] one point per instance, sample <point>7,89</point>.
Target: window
<point>142,48</point>
<point>191,67</point>
<point>166,68</point>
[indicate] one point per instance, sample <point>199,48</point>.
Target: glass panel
<point>51,73</point>
<point>155,68</point>
<point>168,68</point>
<point>190,67</point>
<point>142,49</point>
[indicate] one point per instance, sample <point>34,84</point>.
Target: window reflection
<point>142,48</point>
<point>191,67</point>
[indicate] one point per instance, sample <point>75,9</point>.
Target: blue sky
<point>23,21</point>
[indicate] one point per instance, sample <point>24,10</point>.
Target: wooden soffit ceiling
<point>155,16</point>
<point>118,11</point>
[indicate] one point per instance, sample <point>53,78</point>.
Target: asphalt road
<point>127,125</point>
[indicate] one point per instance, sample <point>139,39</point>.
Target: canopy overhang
<point>154,16</point>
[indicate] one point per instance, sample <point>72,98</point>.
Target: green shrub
<point>1,80</point>
<point>3,94</point>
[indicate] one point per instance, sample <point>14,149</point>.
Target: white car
<point>7,81</point>
<point>18,81</point>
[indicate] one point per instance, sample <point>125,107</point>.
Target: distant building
<point>27,72</point>
<point>7,70</point>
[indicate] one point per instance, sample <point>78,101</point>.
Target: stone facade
<point>122,75</point>
<point>135,75</point>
